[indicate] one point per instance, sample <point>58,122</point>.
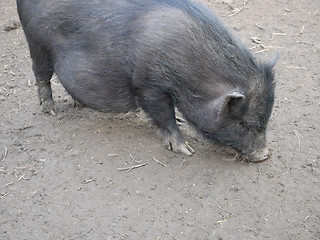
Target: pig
<point>158,55</point>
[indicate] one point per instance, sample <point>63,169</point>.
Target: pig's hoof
<point>184,148</point>
<point>49,108</point>
<point>180,121</point>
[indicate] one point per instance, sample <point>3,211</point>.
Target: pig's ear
<point>272,62</point>
<point>233,105</point>
<point>268,67</point>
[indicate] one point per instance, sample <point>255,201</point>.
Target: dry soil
<point>61,177</point>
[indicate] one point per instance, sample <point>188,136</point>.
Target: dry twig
<point>294,67</point>
<point>225,210</point>
<point>277,34</point>
<point>240,9</point>
<point>306,218</point>
<point>5,194</point>
<point>123,235</point>
<point>259,26</point>
<point>113,155</point>
<point>307,43</point>
<point>296,133</point>
<point>263,50</point>
<point>301,31</point>
<point>8,184</point>
<point>22,177</point>
<point>224,220</point>
<point>5,154</point>
<point>266,217</point>
<point>88,181</point>
<point>132,167</point>
<point>183,161</point>
<point>156,160</point>
<point>256,40</point>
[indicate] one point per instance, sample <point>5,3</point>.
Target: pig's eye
<point>251,126</point>
<point>247,125</point>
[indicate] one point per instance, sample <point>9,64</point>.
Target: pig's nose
<point>265,154</point>
<point>261,155</point>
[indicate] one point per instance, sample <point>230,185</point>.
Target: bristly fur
<point>118,55</point>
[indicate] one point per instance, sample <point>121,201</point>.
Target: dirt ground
<point>61,177</point>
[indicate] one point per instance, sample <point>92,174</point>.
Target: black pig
<point>115,56</point>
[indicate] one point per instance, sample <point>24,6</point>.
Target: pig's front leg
<point>159,106</point>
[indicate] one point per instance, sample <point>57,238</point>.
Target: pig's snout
<point>259,155</point>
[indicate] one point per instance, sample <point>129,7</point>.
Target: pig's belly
<point>104,87</point>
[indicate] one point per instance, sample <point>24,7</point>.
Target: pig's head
<point>241,116</point>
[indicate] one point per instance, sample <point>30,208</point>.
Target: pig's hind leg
<point>159,106</point>
<point>43,71</point>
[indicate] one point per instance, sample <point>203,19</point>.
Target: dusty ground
<point>59,176</point>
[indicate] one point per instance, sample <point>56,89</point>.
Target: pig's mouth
<point>256,156</point>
